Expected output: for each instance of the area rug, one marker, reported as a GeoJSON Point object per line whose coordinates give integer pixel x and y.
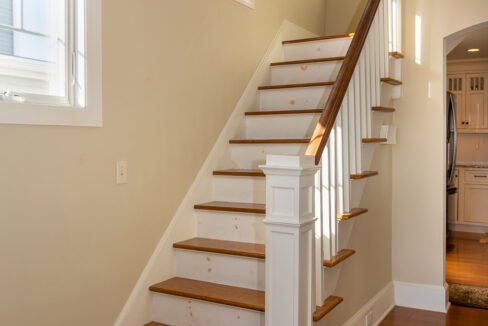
{"type": "Point", "coordinates": [470, 296]}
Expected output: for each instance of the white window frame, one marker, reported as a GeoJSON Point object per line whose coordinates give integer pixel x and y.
{"type": "Point", "coordinates": [247, 3]}
{"type": "Point", "coordinates": [69, 115]}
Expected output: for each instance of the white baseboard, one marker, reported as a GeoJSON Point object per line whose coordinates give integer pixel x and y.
{"type": "Point", "coordinates": [379, 306]}
{"type": "Point", "coordinates": [137, 309]}
{"type": "Point", "coordinates": [422, 296]}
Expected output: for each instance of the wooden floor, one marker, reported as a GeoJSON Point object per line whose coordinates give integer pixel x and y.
{"type": "Point", "coordinates": [467, 262]}
{"type": "Point", "coordinates": [457, 316]}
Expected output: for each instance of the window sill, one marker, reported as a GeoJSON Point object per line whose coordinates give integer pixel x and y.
{"type": "Point", "coordinates": [31, 114]}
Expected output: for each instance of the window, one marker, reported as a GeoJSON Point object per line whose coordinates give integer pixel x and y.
{"type": "Point", "coordinates": [50, 62]}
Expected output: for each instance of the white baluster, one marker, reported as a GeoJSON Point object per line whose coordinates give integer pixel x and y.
{"type": "Point", "coordinates": [386, 28]}
{"type": "Point", "coordinates": [358, 105]}
{"type": "Point", "coordinates": [353, 130]}
{"type": "Point", "coordinates": [363, 92]}
{"type": "Point", "coordinates": [382, 33]}
{"type": "Point", "coordinates": [345, 153]}
{"type": "Point", "coordinates": [333, 189]}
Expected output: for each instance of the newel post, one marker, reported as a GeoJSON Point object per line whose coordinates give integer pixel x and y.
{"type": "Point", "coordinates": [290, 243]}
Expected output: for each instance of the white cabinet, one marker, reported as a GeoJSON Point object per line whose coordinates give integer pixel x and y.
{"type": "Point", "coordinates": [473, 197]}
{"type": "Point", "coordinates": [471, 100]}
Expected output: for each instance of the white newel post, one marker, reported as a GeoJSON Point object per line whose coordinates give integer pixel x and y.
{"type": "Point", "coordinates": [290, 243]}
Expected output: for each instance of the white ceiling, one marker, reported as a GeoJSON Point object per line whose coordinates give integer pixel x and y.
{"type": "Point", "coordinates": [476, 39]}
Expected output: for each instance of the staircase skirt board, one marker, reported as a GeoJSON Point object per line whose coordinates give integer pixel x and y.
{"type": "Point", "coordinates": [223, 247]}
{"type": "Point", "coordinates": [329, 304]}
{"type": "Point", "coordinates": [217, 293]}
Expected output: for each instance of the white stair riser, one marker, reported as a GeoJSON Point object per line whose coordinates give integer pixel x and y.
{"type": "Point", "coordinates": [395, 68]}
{"type": "Point", "coordinates": [317, 49]}
{"type": "Point", "coordinates": [222, 269]}
{"type": "Point", "coordinates": [231, 226]}
{"type": "Point", "coordinates": [178, 311]}
{"type": "Point", "coordinates": [251, 156]}
{"type": "Point", "coordinates": [292, 98]}
{"type": "Point", "coordinates": [281, 126]}
{"type": "Point", "coordinates": [305, 73]}
{"type": "Point", "coordinates": [240, 189]}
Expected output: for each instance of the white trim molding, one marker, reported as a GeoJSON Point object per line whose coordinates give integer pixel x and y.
{"type": "Point", "coordinates": [91, 114]}
{"type": "Point", "coordinates": [422, 296]}
{"type": "Point", "coordinates": [247, 3]}
{"type": "Point", "coordinates": [378, 306]}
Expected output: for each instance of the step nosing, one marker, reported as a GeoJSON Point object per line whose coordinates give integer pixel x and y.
{"type": "Point", "coordinates": [319, 38]}
{"type": "Point", "coordinates": [284, 112]}
{"type": "Point", "coordinates": [269, 141]}
{"type": "Point", "coordinates": [308, 61]}
{"type": "Point", "coordinates": [232, 248]}
{"type": "Point", "coordinates": [291, 86]}
{"type": "Point", "coordinates": [252, 208]}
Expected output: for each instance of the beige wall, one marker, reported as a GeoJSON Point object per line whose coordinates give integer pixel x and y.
{"type": "Point", "coordinates": [72, 243]}
{"type": "Point", "coordinates": [343, 16]}
{"type": "Point", "coordinates": [418, 158]}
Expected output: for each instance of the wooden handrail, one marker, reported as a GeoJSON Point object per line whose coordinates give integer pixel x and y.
{"type": "Point", "coordinates": [339, 90]}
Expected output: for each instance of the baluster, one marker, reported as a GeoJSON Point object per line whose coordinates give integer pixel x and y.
{"type": "Point", "coordinates": [345, 154]}
{"type": "Point", "coordinates": [363, 92]}
{"type": "Point", "coordinates": [386, 29]}
{"type": "Point", "coordinates": [333, 189]}
{"type": "Point", "coordinates": [367, 84]}
{"type": "Point", "coordinates": [371, 81]}
{"type": "Point", "coordinates": [382, 33]}
{"type": "Point", "coordinates": [358, 105]}
{"type": "Point", "coordinates": [378, 56]}
{"type": "Point", "coordinates": [353, 130]}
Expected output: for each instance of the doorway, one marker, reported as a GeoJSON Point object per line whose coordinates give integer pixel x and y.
{"type": "Point", "coordinates": [467, 166]}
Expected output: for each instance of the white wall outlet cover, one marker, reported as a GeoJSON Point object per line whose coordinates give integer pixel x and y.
{"type": "Point", "coordinates": [389, 132]}
{"type": "Point", "coordinates": [121, 172]}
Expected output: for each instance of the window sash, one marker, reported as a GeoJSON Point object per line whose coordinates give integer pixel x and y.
{"type": "Point", "coordinates": [71, 97]}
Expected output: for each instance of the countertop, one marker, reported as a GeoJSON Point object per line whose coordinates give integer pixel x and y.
{"type": "Point", "coordinates": [472, 165]}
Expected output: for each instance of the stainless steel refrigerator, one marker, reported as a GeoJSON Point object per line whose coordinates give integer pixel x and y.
{"type": "Point", "coordinates": [452, 140]}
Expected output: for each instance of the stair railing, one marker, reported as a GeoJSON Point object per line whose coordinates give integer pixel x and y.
{"type": "Point", "coordinates": [345, 122]}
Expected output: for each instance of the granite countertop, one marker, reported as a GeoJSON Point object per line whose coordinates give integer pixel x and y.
{"type": "Point", "coordinates": [473, 165]}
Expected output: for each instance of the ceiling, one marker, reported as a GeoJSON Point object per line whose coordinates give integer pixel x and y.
{"type": "Point", "coordinates": [476, 39]}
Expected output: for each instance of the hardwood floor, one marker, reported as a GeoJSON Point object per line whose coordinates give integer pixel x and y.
{"type": "Point", "coordinates": [467, 262]}
{"type": "Point", "coordinates": [457, 316]}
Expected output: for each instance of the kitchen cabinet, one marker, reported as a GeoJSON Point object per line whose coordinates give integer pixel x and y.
{"type": "Point", "coordinates": [473, 197]}
{"type": "Point", "coordinates": [470, 90]}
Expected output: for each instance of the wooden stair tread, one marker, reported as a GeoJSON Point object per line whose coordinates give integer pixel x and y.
{"type": "Point", "coordinates": [364, 175]}
{"type": "Point", "coordinates": [285, 86]}
{"type": "Point", "coordinates": [243, 249]}
{"type": "Point", "coordinates": [153, 323]}
{"type": "Point", "coordinates": [320, 38]}
{"type": "Point", "coordinates": [299, 62]}
{"type": "Point", "coordinates": [339, 258]}
{"type": "Point", "coordinates": [329, 304]}
{"type": "Point", "coordinates": [212, 292]}
{"type": "Point", "coordinates": [374, 140]}
{"type": "Point", "coordinates": [355, 212]}
{"type": "Point", "coordinates": [252, 113]}
{"type": "Point", "coordinates": [397, 55]}
{"type": "Point", "coordinates": [232, 207]}
{"type": "Point", "coordinates": [382, 109]}
{"type": "Point", "coordinates": [391, 81]}
{"type": "Point", "coordinates": [270, 141]}
{"type": "Point", "coordinates": [240, 172]}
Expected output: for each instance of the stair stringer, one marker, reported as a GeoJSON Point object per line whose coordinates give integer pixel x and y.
{"type": "Point", "coordinates": [138, 307]}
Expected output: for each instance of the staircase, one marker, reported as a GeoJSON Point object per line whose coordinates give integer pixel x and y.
{"type": "Point", "coordinates": [220, 274]}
